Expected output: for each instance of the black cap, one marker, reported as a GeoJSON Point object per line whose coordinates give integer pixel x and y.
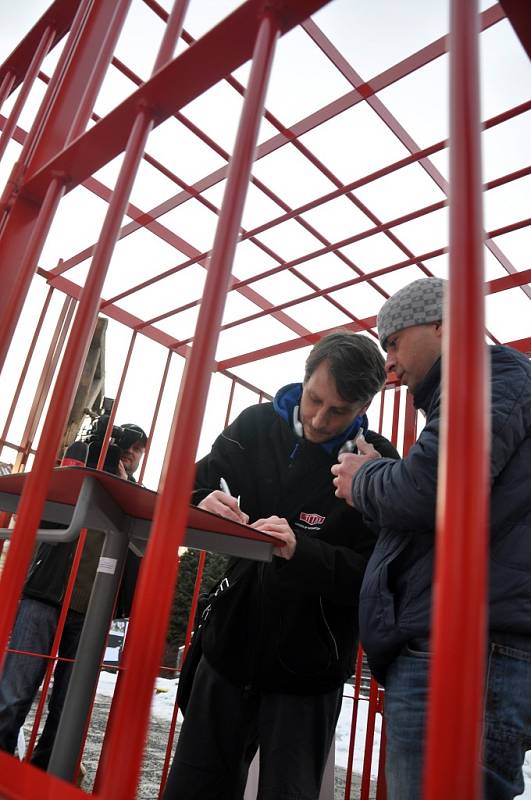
{"type": "Point", "coordinates": [139, 435]}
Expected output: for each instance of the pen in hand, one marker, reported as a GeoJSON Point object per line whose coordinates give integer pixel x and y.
{"type": "Point", "coordinates": [224, 486]}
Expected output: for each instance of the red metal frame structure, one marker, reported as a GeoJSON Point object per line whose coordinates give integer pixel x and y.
{"type": "Point", "coordinates": [327, 287]}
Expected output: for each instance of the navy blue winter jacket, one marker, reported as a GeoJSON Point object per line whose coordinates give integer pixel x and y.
{"type": "Point", "coordinates": [399, 498]}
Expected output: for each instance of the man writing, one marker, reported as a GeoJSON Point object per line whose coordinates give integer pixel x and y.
{"type": "Point", "coordinates": [400, 499]}
{"type": "Point", "coordinates": [38, 614]}
{"type": "Point", "coordinates": [280, 638]}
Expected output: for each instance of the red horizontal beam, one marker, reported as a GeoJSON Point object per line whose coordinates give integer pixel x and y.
{"type": "Point", "coordinates": [491, 287]}
{"type": "Point", "coordinates": [524, 345]}
{"type": "Point", "coordinates": [519, 16]}
{"type": "Point", "coordinates": [512, 281]}
{"type": "Point", "coordinates": [20, 780]}
{"type": "Point", "coordinates": [135, 323]}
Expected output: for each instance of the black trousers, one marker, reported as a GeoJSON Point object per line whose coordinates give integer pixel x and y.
{"type": "Point", "coordinates": [223, 728]}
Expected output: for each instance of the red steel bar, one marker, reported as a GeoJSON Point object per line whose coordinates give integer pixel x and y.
{"type": "Point", "coordinates": [8, 81]}
{"type": "Point", "coordinates": [410, 424]}
{"type": "Point", "coordinates": [123, 746]}
{"type": "Point", "coordinates": [167, 90]}
{"type": "Point", "coordinates": [396, 415]}
{"type": "Point", "coordinates": [229, 404]}
{"type": "Point", "coordinates": [381, 786]}
{"type": "Point", "coordinates": [353, 722]}
{"type": "Point", "coordinates": [393, 124]}
{"type": "Point", "coordinates": [25, 366]}
{"type": "Point", "coordinates": [187, 640]}
{"type": "Point", "coordinates": [452, 765]}
{"type": "Point", "coordinates": [38, 57]}
{"type": "Point", "coordinates": [56, 641]}
{"type": "Point", "coordinates": [46, 378]}
{"type": "Point", "coordinates": [155, 415]}
{"type": "Point", "coordinates": [33, 496]}
{"type": "Point", "coordinates": [62, 116]}
{"type": "Point", "coordinates": [59, 15]}
{"type": "Point", "coordinates": [112, 416]}
{"type": "Point", "coordinates": [369, 741]}
{"type": "Point", "coordinates": [38, 128]}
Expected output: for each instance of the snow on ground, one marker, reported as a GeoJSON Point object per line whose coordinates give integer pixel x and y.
{"type": "Point", "coordinates": [164, 700]}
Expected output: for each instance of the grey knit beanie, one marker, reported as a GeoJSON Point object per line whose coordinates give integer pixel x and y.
{"type": "Point", "coordinates": [418, 303]}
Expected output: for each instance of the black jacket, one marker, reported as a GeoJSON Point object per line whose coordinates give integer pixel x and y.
{"type": "Point", "coordinates": [400, 498]}
{"type": "Point", "coordinates": [50, 569]}
{"type": "Point", "coordinates": [286, 626]}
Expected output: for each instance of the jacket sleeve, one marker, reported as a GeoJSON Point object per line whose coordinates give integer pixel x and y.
{"type": "Point", "coordinates": [226, 460]}
{"type": "Point", "coordinates": [402, 494]}
{"type": "Point", "coordinates": [510, 409]}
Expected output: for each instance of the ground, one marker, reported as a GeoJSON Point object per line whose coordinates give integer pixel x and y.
{"type": "Point", "coordinates": [154, 755]}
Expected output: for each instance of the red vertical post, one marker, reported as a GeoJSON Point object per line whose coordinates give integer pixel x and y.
{"type": "Point", "coordinates": [34, 494]}
{"type": "Point", "coordinates": [25, 367]}
{"type": "Point", "coordinates": [155, 416]}
{"type": "Point", "coordinates": [383, 395]}
{"type": "Point", "coordinates": [45, 381]}
{"type": "Point", "coordinates": [410, 424]}
{"type": "Point", "coordinates": [353, 722]}
{"type": "Point", "coordinates": [63, 116]}
{"type": "Point", "coordinates": [33, 70]}
{"type": "Point", "coordinates": [396, 415]}
{"type": "Point", "coordinates": [452, 767]}
{"type": "Point", "coordinates": [369, 741]}
{"type": "Point", "coordinates": [187, 640]}
{"type": "Point", "coordinates": [56, 641]}
{"type": "Point", "coordinates": [6, 86]}
{"type": "Point", "coordinates": [229, 404]}
{"type": "Point", "coordinates": [112, 416]}
{"type": "Point", "coordinates": [123, 746]}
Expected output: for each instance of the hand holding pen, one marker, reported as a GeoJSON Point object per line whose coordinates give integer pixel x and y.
{"type": "Point", "coordinates": [221, 502]}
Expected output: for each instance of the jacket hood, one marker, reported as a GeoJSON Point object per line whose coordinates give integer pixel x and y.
{"type": "Point", "coordinates": [288, 397]}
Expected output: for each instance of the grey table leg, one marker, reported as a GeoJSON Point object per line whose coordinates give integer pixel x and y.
{"type": "Point", "coordinates": [85, 673]}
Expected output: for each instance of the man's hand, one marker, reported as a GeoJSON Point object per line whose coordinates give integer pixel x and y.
{"type": "Point", "coordinates": [224, 505]}
{"type": "Point", "coordinates": [279, 528]}
{"type": "Point", "coordinates": [348, 465]}
{"type": "Point", "coordinates": [121, 471]}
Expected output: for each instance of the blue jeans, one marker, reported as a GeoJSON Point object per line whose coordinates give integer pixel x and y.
{"type": "Point", "coordinates": [507, 720]}
{"type": "Point", "coordinates": [34, 631]}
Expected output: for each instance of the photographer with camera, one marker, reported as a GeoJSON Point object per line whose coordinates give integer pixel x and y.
{"type": "Point", "coordinates": [43, 594]}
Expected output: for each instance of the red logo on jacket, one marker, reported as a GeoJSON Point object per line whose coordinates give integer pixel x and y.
{"type": "Point", "coordinates": [312, 519]}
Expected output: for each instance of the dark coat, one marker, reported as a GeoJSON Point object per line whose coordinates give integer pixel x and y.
{"type": "Point", "coordinates": [286, 626]}
{"type": "Point", "coordinates": [50, 569]}
{"type": "Point", "coordinates": [400, 499]}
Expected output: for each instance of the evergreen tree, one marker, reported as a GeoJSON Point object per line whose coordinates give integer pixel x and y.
{"type": "Point", "coordinates": [215, 567]}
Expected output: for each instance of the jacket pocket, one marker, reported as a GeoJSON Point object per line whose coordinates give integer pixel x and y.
{"type": "Point", "coordinates": [306, 645]}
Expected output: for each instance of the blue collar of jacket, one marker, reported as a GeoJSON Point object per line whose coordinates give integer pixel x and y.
{"type": "Point", "coordinates": [289, 396]}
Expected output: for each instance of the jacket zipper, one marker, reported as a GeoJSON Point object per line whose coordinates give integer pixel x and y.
{"type": "Point", "coordinates": [328, 628]}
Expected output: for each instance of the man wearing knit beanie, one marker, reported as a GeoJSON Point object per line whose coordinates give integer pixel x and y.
{"type": "Point", "coordinates": [399, 497]}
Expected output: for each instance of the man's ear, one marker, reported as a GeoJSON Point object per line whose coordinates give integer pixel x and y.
{"type": "Point", "coordinates": [438, 329]}
{"type": "Point", "coordinates": [364, 409]}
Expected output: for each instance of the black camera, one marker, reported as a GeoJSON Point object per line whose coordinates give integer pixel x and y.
{"type": "Point", "coordinates": [122, 437]}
